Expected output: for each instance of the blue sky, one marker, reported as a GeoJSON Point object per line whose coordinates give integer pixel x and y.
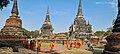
{"type": "Point", "coordinates": [100, 13]}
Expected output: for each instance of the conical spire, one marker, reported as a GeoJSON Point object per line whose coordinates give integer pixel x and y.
{"type": "Point", "coordinates": [116, 27]}
{"type": "Point", "coordinates": [47, 16]}
{"type": "Point", "coordinates": [88, 22]}
{"type": "Point", "coordinates": [15, 8]}
{"type": "Point", "coordinates": [80, 9]}
{"type": "Point", "coordinates": [118, 6]}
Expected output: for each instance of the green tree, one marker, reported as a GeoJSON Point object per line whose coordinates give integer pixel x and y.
{"type": "Point", "coordinates": [26, 32]}
{"type": "Point", "coordinates": [4, 3]}
{"type": "Point", "coordinates": [109, 31]}
{"type": "Point", "coordinates": [0, 31]}
{"type": "Point", "coordinates": [34, 33]}
{"type": "Point", "coordinates": [99, 33]}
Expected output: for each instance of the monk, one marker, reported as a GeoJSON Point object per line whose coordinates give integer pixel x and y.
{"type": "Point", "coordinates": [38, 46]}
{"type": "Point", "coordinates": [25, 45]}
{"type": "Point", "coordinates": [51, 45]}
{"type": "Point", "coordinates": [79, 44]}
{"type": "Point", "coordinates": [75, 44]}
{"type": "Point", "coordinates": [31, 45]}
{"type": "Point", "coordinates": [68, 44]}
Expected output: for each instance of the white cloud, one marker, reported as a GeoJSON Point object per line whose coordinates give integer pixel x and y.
{"type": "Point", "coordinates": [112, 3]}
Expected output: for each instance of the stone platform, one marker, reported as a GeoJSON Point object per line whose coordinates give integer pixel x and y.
{"type": "Point", "coordinates": [113, 44]}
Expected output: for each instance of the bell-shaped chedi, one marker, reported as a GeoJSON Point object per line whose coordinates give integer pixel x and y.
{"type": "Point", "coordinates": [46, 30]}
{"type": "Point", "coordinates": [13, 25]}
{"type": "Point", "coordinates": [80, 28]}
{"type": "Point", "coordinates": [113, 41]}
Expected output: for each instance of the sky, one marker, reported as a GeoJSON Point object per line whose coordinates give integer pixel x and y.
{"type": "Point", "coordinates": [100, 13]}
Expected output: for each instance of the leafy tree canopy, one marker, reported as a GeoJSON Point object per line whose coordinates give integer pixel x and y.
{"type": "Point", "coordinates": [27, 33]}
{"type": "Point", "coordinates": [4, 3]}
{"type": "Point", "coordinates": [99, 33]}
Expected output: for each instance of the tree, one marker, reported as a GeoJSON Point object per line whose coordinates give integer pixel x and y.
{"type": "Point", "coordinates": [108, 33]}
{"type": "Point", "coordinates": [26, 32]}
{"type": "Point", "coordinates": [4, 3]}
{"type": "Point", "coordinates": [99, 33]}
{"type": "Point", "coordinates": [34, 33]}
{"type": "Point", "coordinates": [0, 31]}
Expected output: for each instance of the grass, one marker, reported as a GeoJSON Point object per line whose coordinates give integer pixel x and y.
{"type": "Point", "coordinates": [47, 45]}
{"type": "Point", "coordinates": [99, 47]}
{"type": "Point", "coordinates": [76, 51]}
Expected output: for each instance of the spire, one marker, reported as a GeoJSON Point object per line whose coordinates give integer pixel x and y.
{"type": "Point", "coordinates": [116, 27]}
{"type": "Point", "coordinates": [47, 16]}
{"type": "Point", "coordinates": [47, 13]}
{"type": "Point", "coordinates": [15, 8]}
{"type": "Point", "coordinates": [88, 22]}
{"type": "Point", "coordinates": [80, 9]}
{"type": "Point", "coordinates": [119, 6]}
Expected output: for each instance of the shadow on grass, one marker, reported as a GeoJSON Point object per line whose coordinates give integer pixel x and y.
{"type": "Point", "coordinates": [50, 52]}
{"type": "Point", "coordinates": [96, 51]}
{"type": "Point", "coordinates": [100, 47]}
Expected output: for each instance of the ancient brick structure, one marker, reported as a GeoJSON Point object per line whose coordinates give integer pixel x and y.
{"type": "Point", "coordinates": [80, 27]}
{"type": "Point", "coordinates": [13, 25]}
{"type": "Point", "coordinates": [12, 35]}
{"type": "Point", "coordinates": [46, 30]}
{"type": "Point", "coordinates": [113, 41]}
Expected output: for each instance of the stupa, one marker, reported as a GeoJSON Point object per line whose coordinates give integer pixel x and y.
{"type": "Point", "coordinates": [113, 41]}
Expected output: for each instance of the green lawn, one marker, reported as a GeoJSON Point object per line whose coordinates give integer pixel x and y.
{"type": "Point", "coordinates": [98, 49]}
{"type": "Point", "coordinates": [47, 45]}
{"type": "Point", "coordinates": [76, 51]}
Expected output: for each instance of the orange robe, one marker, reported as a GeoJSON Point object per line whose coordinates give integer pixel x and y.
{"type": "Point", "coordinates": [75, 44]}
{"type": "Point", "coordinates": [32, 45]}
{"type": "Point", "coordinates": [25, 44]}
{"type": "Point", "coordinates": [68, 44]}
{"type": "Point", "coordinates": [38, 46]}
{"type": "Point", "coordinates": [51, 46]}
{"type": "Point", "coordinates": [78, 45]}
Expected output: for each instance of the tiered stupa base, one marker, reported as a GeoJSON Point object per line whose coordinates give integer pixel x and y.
{"type": "Point", "coordinates": [113, 45]}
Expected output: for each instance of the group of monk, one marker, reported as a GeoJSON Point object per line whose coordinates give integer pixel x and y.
{"type": "Point", "coordinates": [77, 44]}
{"type": "Point", "coordinates": [36, 45]}
{"type": "Point", "coordinates": [32, 45]}
{"type": "Point", "coordinates": [69, 44]}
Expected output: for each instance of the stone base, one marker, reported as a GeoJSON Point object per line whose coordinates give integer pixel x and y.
{"type": "Point", "coordinates": [108, 52]}
{"type": "Point", "coordinates": [113, 44]}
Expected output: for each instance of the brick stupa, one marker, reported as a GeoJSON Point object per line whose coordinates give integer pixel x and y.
{"type": "Point", "coordinates": [13, 25]}
{"type": "Point", "coordinates": [113, 41]}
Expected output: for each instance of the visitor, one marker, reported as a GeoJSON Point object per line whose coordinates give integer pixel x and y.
{"type": "Point", "coordinates": [63, 42]}
{"type": "Point", "coordinates": [51, 45]}
{"type": "Point", "coordinates": [38, 46]}
{"type": "Point", "coordinates": [91, 46]}
{"type": "Point", "coordinates": [88, 44]}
